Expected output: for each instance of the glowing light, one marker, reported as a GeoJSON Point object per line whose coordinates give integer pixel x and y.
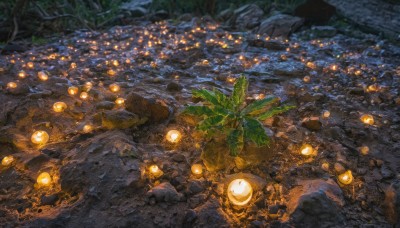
{"type": "Point", "coordinates": [40, 137]}
{"type": "Point", "coordinates": [364, 150]}
{"type": "Point", "coordinates": [307, 79]}
{"type": "Point", "coordinates": [111, 72]}
{"type": "Point", "coordinates": [73, 90]}
{"type": "Point", "coordinates": [22, 74]}
{"type": "Point", "coordinates": [346, 177]}
{"type": "Point", "coordinates": [367, 119]}
{"type": "Point", "coordinates": [7, 160]}
{"type": "Point", "coordinates": [240, 192]}
{"type": "Point", "coordinates": [44, 179]}
{"type": "Point", "coordinates": [84, 95]}
{"type": "Point", "coordinates": [42, 75]}
{"type": "Point", "coordinates": [173, 136]}
{"type": "Point", "coordinates": [114, 87]}
{"type": "Point", "coordinates": [59, 106]}
{"type": "Point", "coordinates": [87, 128]}
{"type": "Point", "coordinates": [326, 114]}
{"type": "Point", "coordinates": [197, 169]}
{"type": "Point", "coordinates": [155, 171]}
{"type": "Point", "coordinates": [30, 65]}
{"type": "Point", "coordinates": [120, 101]}
{"type": "Point", "coordinates": [11, 85]}
{"type": "Point", "coordinates": [307, 150]}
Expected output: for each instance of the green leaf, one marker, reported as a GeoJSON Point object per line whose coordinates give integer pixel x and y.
{"type": "Point", "coordinates": [222, 99]}
{"type": "Point", "coordinates": [198, 111]}
{"type": "Point", "coordinates": [211, 122]}
{"type": "Point", "coordinates": [235, 141]}
{"type": "Point", "coordinates": [274, 111]}
{"type": "Point", "coordinates": [254, 131]}
{"type": "Point", "coordinates": [257, 107]}
{"type": "Point", "coordinates": [206, 95]}
{"type": "Point", "coordinates": [239, 91]}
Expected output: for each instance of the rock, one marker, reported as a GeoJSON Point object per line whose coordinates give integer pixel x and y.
{"type": "Point", "coordinates": [339, 168]}
{"type": "Point", "coordinates": [312, 123]}
{"type": "Point", "coordinates": [164, 192]}
{"type": "Point", "coordinates": [195, 186]}
{"type": "Point", "coordinates": [315, 203]}
{"type": "Point", "coordinates": [280, 25]}
{"type": "Point", "coordinates": [133, 4]}
{"type": "Point", "coordinates": [49, 200]}
{"type": "Point", "coordinates": [174, 87]}
{"type": "Point", "coordinates": [105, 105]}
{"type": "Point", "coordinates": [323, 31]}
{"type": "Point", "coordinates": [120, 119]}
{"type": "Point", "coordinates": [189, 218]}
{"type": "Point", "coordinates": [315, 11]}
{"type": "Point", "coordinates": [211, 214]}
{"type": "Point", "coordinates": [178, 157]}
{"type": "Point", "coordinates": [155, 109]}
{"type": "Point", "coordinates": [371, 15]}
{"type": "Point", "coordinates": [225, 14]}
{"type": "Point", "coordinates": [248, 16]}
{"type": "Point", "coordinates": [290, 69]}
{"type": "Point", "coordinates": [391, 204]}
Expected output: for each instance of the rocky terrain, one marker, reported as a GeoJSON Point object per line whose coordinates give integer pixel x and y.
{"type": "Point", "coordinates": [99, 151]}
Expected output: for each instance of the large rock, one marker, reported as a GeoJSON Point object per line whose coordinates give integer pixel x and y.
{"type": "Point", "coordinates": [137, 8]}
{"type": "Point", "coordinates": [371, 15]}
{"type": "Point", "coordinates": [248, 16]}
{"type": "Point", "coordinates": [120, 119]}
{"type": "Point", "coordinates": [392, 203]}
{"type": "Point", "coordinates": [315, 203]}
{"type": "Point", "coordinates": [280, 25]}
{"type": "Point", "coordinates": [155, 109]}
{"type": "Point", "coordinates": [245, 17]}
{"type": "Point", "coordinates": [315, 11]}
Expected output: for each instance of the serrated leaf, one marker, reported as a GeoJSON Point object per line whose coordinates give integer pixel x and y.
{"type": "Point", "coordinates": [211, 122]}
{"type": "Point", "coordinates": [198, 110]}
{"type": "Point", "coordinates": [239, 91]}
{"type": "Point", "coordinates": [254, 131]}
{"type": "Point", "coordinates": [257, 107]}
{"type": "Point", "coordinates": [235, 141]}
{"type": "Point", "coordinates": [274, 111]}
{"type": "Point", "coordinates": [206, 95]}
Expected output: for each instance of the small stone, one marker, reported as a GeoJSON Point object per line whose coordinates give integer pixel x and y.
{"type": "Point", "coordinates": [154, 108]}
{"type": "Point", "coordinates": [195, 187]}
{"type": "Point", "coordinates": [178, 157]}
{"type": "Point", "coordinates": [120, 119]}
{"type": "Point", "coordinates": [312, 123]}
{"type": "Point", "coordinates": [339, 168]}
{"type": "Point", "coordinates": [164, 192]}
{"type": "Point", "coordinates": [49, 200]}
{"type": "Point", "coordinates": [174, 87]}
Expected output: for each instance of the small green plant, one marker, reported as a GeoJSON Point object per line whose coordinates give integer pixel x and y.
{"type": "Point", "coordinates": [230, 116]}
